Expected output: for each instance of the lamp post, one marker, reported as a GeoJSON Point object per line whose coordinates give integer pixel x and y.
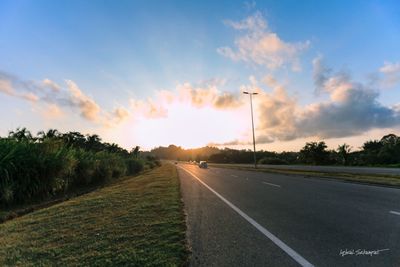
{"type": "Point", "coordinates": [252, 125]}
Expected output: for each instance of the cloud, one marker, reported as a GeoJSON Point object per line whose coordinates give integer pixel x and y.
{"type": "Point", "coordinates": [249, 5]}
{"type": "Point", "coordinates": [270, 81]}
{"type": "Point", "coordinates": [276, 115]}
{"type": "Point", "coordinates": [8, 84]}
{"type": "Point", "coordinates": [29, 96]}
{"type": "Point", "coordinates": [70, 96]}
{"type": "Point", "coordinates": [6, 87]}
{"type": "Point", "coordinates": [352, 109]}
{"type": "Point", "coordinates": [320, 73]}
{"type": "Point", "coordinates": [257, 44]}
{"type": "Point", "coordinates": [50, 84]}
{"type": "Point", "coordinates": [52, 94]}
{"type": "Point", "coordinates": [121, 113]}
{"type": "Point", "coordinates": [52, 111]}
{"type": "Point", "coordinates": [148, 109]}
{"type": "Point", "coordinates": [235, 142]}
{"type": "Point", "coordinates": [87, 106]}
{"type": "Point", "coordinates": [391, 74]}
{"type": "Point", "coordinates": [208, 95]}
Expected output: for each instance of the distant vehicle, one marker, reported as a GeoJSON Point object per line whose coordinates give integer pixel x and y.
{"type": "Point", "coordinates": [203, 164]}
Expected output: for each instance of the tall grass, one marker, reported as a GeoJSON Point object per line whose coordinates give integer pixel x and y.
{"type": "Point", "coordinates": [31, 170]}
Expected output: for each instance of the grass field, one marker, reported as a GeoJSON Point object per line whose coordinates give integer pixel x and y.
{"type": "Point", "coordinates": [375, 179]}
{"type": "Point", "coordinates": [137, 221]}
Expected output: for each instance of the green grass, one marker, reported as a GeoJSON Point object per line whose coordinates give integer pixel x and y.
{"type": "Point", "coordinates": [375, 179]}
{"type": "Point", "coordinates": [137, 221]}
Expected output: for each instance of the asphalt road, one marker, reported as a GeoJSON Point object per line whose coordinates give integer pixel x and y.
{"type": "Point", "coordinates": [246, 218]}
{"type": "Point", "coordinates": [337, 169]}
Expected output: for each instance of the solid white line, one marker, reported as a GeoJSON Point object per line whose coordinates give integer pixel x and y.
{"type": "Point", "coordinates": [271, 184]}
{"type": "Point", "coordinates": [272, 237]}
{"type": "Point", "coordinates": [395, 212]}
{"type": "Point", "coordinates": [234, 176]}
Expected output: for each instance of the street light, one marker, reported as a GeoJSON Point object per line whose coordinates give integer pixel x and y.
{"type": "Point", "coordinates": [252, 125]}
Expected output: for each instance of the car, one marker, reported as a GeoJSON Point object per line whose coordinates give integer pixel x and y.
{"type": "Point", "coordinates": [203, 164]}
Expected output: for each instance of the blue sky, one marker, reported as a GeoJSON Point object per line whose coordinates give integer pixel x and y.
{"type": "Point", "coordinates": [118, 52]}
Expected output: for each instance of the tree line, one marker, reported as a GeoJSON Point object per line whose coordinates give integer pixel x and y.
{"type": "Point", "coordinates": [35, 168]}
{"type": "Point", "coordinates": [383, 152]}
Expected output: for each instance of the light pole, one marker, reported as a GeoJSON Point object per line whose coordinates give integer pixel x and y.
{"type": "Point", "coordinates": [252, 125]}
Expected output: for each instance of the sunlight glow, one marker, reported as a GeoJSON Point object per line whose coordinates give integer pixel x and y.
{"type": "Point", "coordinates": [185, 125]}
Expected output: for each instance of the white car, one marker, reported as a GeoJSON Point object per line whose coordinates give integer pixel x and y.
{"type": "Point", "coordinates": [203, 164]}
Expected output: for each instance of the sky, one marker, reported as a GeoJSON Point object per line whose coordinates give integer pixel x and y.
{"type": "Point", "coordinates": [154, 73]}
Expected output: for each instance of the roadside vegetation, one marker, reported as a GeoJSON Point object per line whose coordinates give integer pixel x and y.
{"type": "Point", "coordinates": [384, 152]}
{"type": "Point", "coordinates": [134, 221]}
{"type": "Point", "coordinates": [34, 169]}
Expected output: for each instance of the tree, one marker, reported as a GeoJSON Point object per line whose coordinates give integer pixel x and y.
{"type": "Point", "coordinates": [389, 153]}
{"type": "Point", "coordinates": [370, 152]}
{"type": "Point", "coordinates": [135, 151]}
{"type": "Point", "coordinates": [315, 153]}
{"type": "Point", "coordinates": [74, 139]}
{"type": "Point", "coordinates": [21, 134]}
{"type": "Point", "coordinates": [344, 152]}
{"type": "Point", "coordinates": [51, 133]}
{"type": "Point", "coordinates": [93, 143]}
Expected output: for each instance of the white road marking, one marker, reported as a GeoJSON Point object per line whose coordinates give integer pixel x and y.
{"type": "Point", "coordinates": [297, 257]}
{"type": "Point", "coordinates": [271, 184]}
{"type": "Point", "coordinates": [234, 176]}
{"type": "Point", "coordinates": [395, 212]}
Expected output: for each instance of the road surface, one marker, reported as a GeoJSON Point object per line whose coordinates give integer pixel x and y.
{"type": "Point", "coordinates": [334, 169]}
{"type": "Point", "coordinates": [246, 218]}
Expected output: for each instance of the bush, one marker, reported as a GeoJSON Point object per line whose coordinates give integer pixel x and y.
{"type": "Point", "coordinates": [134, 165]}
{"type": "Point", "coordinates": [275, 161]}
{"type": "Point", "coordinates": [38, 168]}
{"type": "Point", "coordinates": [85, 169]}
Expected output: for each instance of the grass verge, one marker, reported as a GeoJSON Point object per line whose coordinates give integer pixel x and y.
{"type": "Point", "coordinates": [138, 221]}
{"type": "Point", "coordinates": [383, 180]}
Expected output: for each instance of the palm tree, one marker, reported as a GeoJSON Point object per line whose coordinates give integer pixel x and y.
{"type": "Point", "coordinates": [21, 134]}
{"type": "Point", "coordinates": [75, 139]}
{"type": "Point", "coordinates": [93, 142]}
{"type": "Point", "coordinates": [135, 151]}
{"type": "Point", "coordinates": [51, 133]}
{"type": "Point", "coordinates": [344, 152]}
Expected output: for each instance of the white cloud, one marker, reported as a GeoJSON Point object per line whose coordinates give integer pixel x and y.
{"type": "Point", "coordinates": [257, 44]}
{"type": "Point", "coordinates": [391, 74]}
